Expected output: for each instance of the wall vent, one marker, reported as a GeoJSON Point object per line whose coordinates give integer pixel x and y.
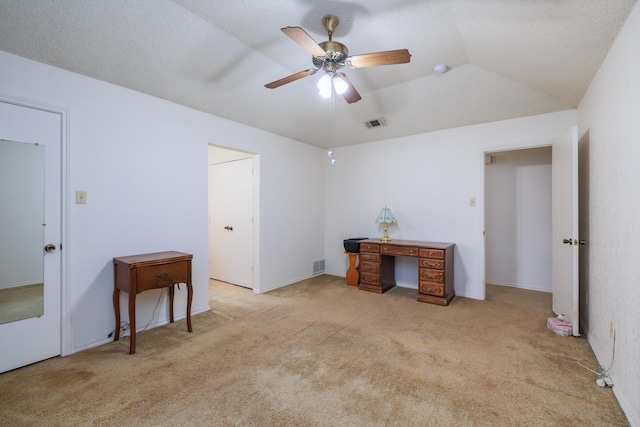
{"type": "Point", "coordinates": [318, 267]}
{"type": "Point", "coordinates": [380, 121]}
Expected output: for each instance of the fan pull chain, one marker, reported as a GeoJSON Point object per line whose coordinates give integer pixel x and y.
{"type": "Point", "coordinates": [331, 153]}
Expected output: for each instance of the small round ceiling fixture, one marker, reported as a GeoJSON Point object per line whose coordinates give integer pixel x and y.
{"type": "Point", "coordinates": [440, 68]}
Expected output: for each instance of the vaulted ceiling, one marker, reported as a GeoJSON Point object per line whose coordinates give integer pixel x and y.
{"type": "Point", "coordinates": [506, 59]}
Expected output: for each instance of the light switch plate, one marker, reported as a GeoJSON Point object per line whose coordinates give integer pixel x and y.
{"type": "Point", "coordinates": [81, 197]}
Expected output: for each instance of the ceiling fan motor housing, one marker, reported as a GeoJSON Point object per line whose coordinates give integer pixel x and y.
{"type": "Point", "coordinates": [336, 54]}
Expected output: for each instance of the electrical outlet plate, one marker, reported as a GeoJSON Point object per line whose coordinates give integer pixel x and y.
{"type": "Point", "coordinates": [612, 331]}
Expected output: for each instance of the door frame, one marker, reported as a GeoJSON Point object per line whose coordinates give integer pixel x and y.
{"type": "Point", "coordinates": [65, 315]}
{"type": "Point", "coordinates": [235, 154]}
{"type": "Point", "coordinates": [487, 152]}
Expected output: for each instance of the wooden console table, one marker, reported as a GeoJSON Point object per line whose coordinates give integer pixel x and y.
{"type": "Point", "coordinates": [137, 273]}
{"type": "Point", "coordinates": [435, 267]}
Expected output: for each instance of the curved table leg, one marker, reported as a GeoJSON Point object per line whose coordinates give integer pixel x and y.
{"type": "Point", "coordinates": [189, 299]}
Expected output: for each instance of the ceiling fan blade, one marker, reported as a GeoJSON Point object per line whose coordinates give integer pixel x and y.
{"type": "Point", "coordinates": [351, 95]}
{"type": "Point", "coordinates": [303, 39]}
{"type": "Point", "coordinates": [291, 78]}
{"type": "Point", "coordinates": [400, 56]}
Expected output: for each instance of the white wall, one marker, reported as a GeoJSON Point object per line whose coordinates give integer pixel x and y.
{"type": "Point", "coordinates": [427, 181]}
{"type": "Point", "coordinates": [609, 126]}
{"type": "Point", "coordinates": [518, 219]}
{"type": "Point", "coordinates": [143, 163]}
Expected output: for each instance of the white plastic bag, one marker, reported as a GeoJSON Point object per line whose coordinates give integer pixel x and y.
{"type": "Point", "coordinates": [559, 327]}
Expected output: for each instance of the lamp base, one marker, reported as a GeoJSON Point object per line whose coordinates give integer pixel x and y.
{"type": "Point", "coordinates": [385, 237]}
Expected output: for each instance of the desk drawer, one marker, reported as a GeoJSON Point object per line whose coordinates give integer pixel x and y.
{"type": "Point", "coordinates": [160, 276]}
{"type": "Point", "coordinates": [399, 250]}
{"type": "Point", "coordinates": [436, 276]}
{"type": "Point", "coordinates": [369, 247]}
{"type": "Point", "coordinates": [370, 278]}
{"type": "Point", "coordinates": [368, 256]}
{"type": "Point", "coordinates": [369, 267]}
{"type": "Point", "coordinates": [430, 288]}
{"type": "Point", "coordinates": [431, 263]}
{"type": "Point", "coordinates": [432, 253]}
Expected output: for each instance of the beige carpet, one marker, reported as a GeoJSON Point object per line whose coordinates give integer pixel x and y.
{"type": "Point", "coordinates": [320, 353]}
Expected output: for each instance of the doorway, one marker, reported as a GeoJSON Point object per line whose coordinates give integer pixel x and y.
{"type": "Point", "coordinates": [518, 220]}
{"type": "Point", "coordinates": [233, 202]}
{"type": "Point", "coordinates": [563, 249]}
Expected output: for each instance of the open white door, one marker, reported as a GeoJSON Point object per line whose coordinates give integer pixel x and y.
{"type": "Point", "coordinates": [231, 222]}
{"type": "Point", "coordinates": [30, 258]}
{"type": "Point", "coordinates": [564, 233]}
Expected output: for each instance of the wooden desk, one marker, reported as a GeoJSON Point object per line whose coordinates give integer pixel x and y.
{"type": "Point", "coordinates": [137, 273]}
{"type": "Point", "coordinates": [435, 267]}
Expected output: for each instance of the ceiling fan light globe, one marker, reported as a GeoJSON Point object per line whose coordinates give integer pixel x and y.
{"type": "Point", "coordinates": [340, 85]}
{"type": "Point", "coordinates": [325, 93]}
{"type": "Point", "coordinates": [324, 84]}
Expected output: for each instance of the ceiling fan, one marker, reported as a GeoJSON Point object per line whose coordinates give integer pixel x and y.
{"type": "Point", "coordinates": [331, 56]}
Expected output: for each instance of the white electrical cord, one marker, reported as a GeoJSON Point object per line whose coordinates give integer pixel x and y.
{"type": "Point", "coordinates": [587, 368]}
{"type": "Point", "coordinates": [603, 376]}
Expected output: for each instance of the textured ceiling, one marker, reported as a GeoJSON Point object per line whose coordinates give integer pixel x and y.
{"type": "Point", "coordinates": [507, 59]}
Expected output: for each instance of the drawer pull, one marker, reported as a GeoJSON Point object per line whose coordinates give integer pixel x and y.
{"type": "Point", "coordinates": [163, 275]}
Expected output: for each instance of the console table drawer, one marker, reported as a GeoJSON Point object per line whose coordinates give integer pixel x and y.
{"type": "Point", "coordinates": [429, 288]}
{"type": "Point", "coordinates": [162, 276]}
{"type": "Point", "coordinates": [432, 275]}
{"type": "Point", "coordinates": [369, 247]}
{"type": "Point", "coordinates": [431, 263]}
{"type": "Point", "coordinates": [399, 250]}
{"type": "Point", "coordinates": [370, 278]}
{"type": "Point", "coordinates": [432, 253]}
{"type": "Point", "coordinates": [367, 256]}
{"type": "Point", "coordinates": [369, 267]}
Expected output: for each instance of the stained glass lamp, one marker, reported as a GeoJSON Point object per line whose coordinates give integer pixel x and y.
{"type": "Point", "coordinates": [385, 218]}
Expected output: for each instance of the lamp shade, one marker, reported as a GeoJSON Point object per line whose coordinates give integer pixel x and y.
{"type": "Point", "coordinates": [386, 217]}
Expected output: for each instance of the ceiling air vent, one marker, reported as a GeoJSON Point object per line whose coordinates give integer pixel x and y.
{"type": "Point", "coordinates": [380, 121]}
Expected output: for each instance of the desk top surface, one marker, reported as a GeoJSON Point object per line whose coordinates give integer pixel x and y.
{"type": "Point", "coordinates": [133, 261]}
{"type": "Point", "coordinates": [415, 243]}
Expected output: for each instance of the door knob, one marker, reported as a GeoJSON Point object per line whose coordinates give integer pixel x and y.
{"type": "Point", "coordinates": [567, 241]}
{"type": "Point", "coordinates": [226, 227]}
{"type": "Point", "coordinates": [50, 248]}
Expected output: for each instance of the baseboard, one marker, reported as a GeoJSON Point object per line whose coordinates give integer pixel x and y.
{"type": "Point", "coordinates": [17, 285]}
{"type": "Point", "coordinates": [510, 285]}
{"type": "Point", "coordinates": [470, 296]}
{"type": "Point", "coordinates": [634, 419]}
{"type": "Point", "coordinates": [282, 285]}
{"type": "Point", "coordinates": [407, 285]}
